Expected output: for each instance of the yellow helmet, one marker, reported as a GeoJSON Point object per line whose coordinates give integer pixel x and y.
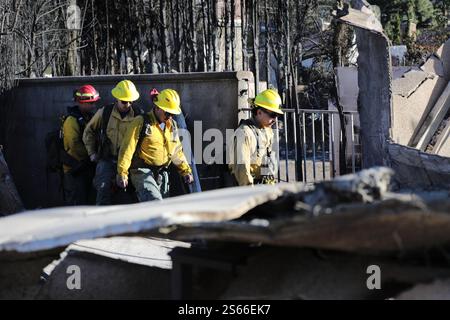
{"type": "Point", "coordinates": [269, 99]}
{"type": "Point", "coordinates": [125, 90]}
{"type": "Point", "coordinates": [169, 101]}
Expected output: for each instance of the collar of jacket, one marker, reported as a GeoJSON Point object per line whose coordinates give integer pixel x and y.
{"type": "Point", "coordinates": [75, 112]}
{"type": "Point", "coordinates": [154, 120]}
{"type": "Point", "coordinates": [116, 114]}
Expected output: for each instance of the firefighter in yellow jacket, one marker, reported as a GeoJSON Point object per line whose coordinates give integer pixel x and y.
{"type": "Point", "coordinates": [103, 136]}
{"type": "Point", "coordinates": [78, 171]}
{"type": "Point", "coordinates": [150, 144]}
{"type": "Point", "coordinates": [251, 160]}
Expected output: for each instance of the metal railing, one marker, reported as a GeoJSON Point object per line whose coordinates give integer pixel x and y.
{"type": "Point", "coordinates": [321, 145]}
{"type": "Point", "coordinates": [310, 145]}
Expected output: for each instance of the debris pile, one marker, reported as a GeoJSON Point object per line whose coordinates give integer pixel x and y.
{"type": "Point", "coordinates": [342, 218]}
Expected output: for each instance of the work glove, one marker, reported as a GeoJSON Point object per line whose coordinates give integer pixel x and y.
{"type": "Point", "coordinates": [188, 179]}
{"type": "Point", "coordinates": [269, 180]}
{"type": "Point", "coordinates": [93, 157]}
{"type": "Point", "coordinates": [122, 182]}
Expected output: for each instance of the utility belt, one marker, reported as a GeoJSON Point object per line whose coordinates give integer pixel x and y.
{"type": "Point", "coordinates": [264, 180]}
{"type": "Point", "coordinates": [137, 163]}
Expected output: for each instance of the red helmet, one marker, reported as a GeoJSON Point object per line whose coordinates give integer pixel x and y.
{"type": "Point", "coordinates": [154, 93]}
{"type": "Point", "coordinates": [86, 93]}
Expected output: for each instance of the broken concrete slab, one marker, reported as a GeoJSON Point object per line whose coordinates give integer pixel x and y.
{"type": "Point", "coordinates": [409, 82]}
{"type": "Point", "coordinates": [409, 113]}
{"type": "Point", "coordinates": [434, 65]}
{"type": "Point", "coordinates": [433, 120]}
{"type": "Point", "coordinates": [364, 19]}
{"type": "Point", "coordinates": [398, 72]}
{"type": "Point", "coordinates": [443, 53]}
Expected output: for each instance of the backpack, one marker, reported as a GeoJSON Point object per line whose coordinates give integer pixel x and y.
{"type": "Point", "coordinates": [103, 140]}
{"type": "Point", "coordinates": [56, 156]}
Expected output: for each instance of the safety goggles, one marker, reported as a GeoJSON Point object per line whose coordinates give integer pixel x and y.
{"type": "Point", "coordinates": [167, 115]}
{"type": "Point", "coordinates": [273, 115]}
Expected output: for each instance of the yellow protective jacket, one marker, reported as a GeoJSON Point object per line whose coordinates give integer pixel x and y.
{"type": "Point", "coordinates": [245, 159]}
{"type": "Point", "coordinates": [158, 147]}
{"type": "Point", "coordinates": [115, 130]}
{"type": "Point", "coordinates": [72, 139]}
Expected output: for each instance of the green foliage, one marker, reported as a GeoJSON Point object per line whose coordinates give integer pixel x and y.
{"type": "Point", "coordinates": [441, 11]}
{"type": "Point", "coordinates": [425, 12]}
{"type": "Point", "coordinates": [398, 13]}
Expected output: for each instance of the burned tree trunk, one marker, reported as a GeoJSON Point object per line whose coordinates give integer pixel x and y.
{"type": "Point", "coordinates": [193, 35]}
{"type": "Point", "coordinates": [164, 36]}
{"type": "Point", "coordinates": [244, 33]}
{"type": "Point", "coordinates": [227, 38]}
{"type": "Point", "coordinates": [266, 43]}
{"type": "Point", "coordinates": [214, 35]}
{"type": "Point", "coordinates": [205, 33]}
{"type": "Point", "coordinates": [232, 34]}
{"type": "Point", "coordinates": [255, 25]}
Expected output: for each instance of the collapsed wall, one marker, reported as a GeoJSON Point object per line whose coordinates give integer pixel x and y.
{"type": "Point", "coordinates": [421, 101]}
{"type": "Point", "coordinates": [396, 111]}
